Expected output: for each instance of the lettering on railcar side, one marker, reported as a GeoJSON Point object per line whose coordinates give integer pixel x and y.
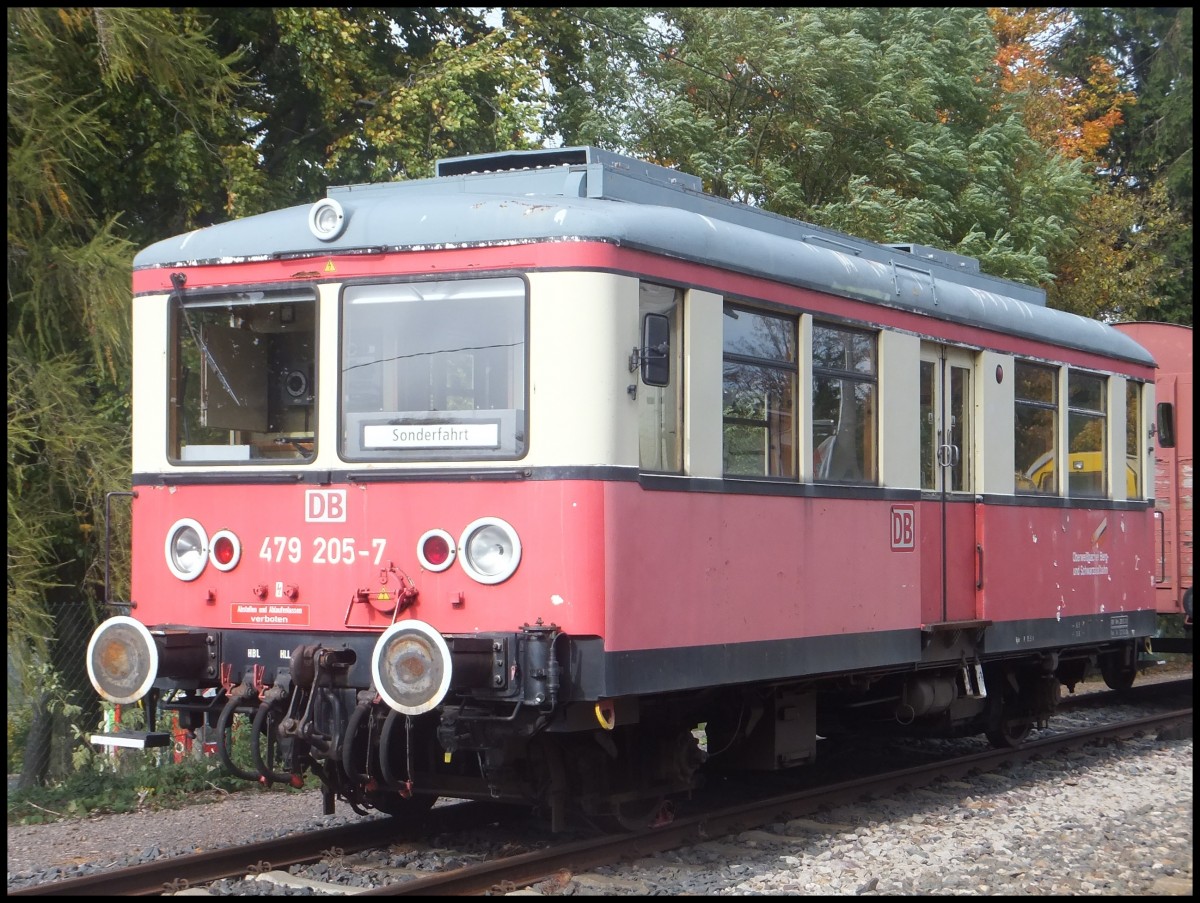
{"type": "Point", "coordinates": [904, 528]}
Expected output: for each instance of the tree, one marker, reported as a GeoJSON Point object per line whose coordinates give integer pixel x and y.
{"type": "Point", "coordinates": [591, 58]}
{"type": "Point", "coordinates": [1107, 270]}
{"type": "Point", "coordinates": [886, 123]}
{"type": "Point", "coordinates": [355, 94]}
{"type": "Point", "coordinates": [127, 125]}
{"type": "Point", "coordinates": [1150, 152]}
{"type": "Point", "coordinates": [71, 75]}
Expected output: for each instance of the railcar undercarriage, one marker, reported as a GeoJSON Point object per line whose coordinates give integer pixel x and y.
{"type": "Point", "coordinates": [505, 728]}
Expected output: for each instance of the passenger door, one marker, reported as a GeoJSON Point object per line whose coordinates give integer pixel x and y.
{"type": "Point", "coordinates": [948, 540]}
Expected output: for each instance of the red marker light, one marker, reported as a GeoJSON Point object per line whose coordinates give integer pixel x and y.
{"type": "Point", "coordinates": [223, 550]}
{"type": "Point", "coordinates": [436, 549]}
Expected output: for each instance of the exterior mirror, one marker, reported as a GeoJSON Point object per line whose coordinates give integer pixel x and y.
{"type": "Point", "coordinates": [1166, 425]}
{"type": "Point", "coordinates": [656, 350]}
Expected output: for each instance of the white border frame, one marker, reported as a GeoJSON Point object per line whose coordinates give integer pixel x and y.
{"type": "Point", "coordinates": [171, 533]}
{"type": "Point", "coordinates": [439, 643]}
{"type": "Point", "coordinates": [152, 651]}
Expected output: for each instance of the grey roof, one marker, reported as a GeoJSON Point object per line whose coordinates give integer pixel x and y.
{"type": "Point", "coordinates": [587, 194]}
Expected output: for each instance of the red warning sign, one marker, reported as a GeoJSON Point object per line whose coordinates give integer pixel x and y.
{"type": "Point", "coordinates": [269, 614]}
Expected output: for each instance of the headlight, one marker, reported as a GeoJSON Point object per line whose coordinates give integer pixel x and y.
{"type": "Point", "coordinates": [490, 549]}
{"type": "Point", "coordinates": [326, 219]}
{"type": "Point", "coordinates": [122, 660]}
{"type": "Point", "coordinates": [187, 549]}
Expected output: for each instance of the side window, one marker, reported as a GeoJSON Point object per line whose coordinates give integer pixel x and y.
{"type": "Point", "coordinates": [1036, 426]}
{"type": "Point", "coordinates": [844, 396]}
{"type": "Point", "coordinates": [927, 427]}
{"type": "Point", "coordinates": [1087, 427]}
{"type": "Point", "coordinates": [1133, 439]}
{"type": "Point", "coordinates": [660, 408]}
{"type": "Point", "coordinates": [759, 397]}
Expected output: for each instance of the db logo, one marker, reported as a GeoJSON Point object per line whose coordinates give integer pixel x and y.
{"type": "Point", "coordinates": [325, 505]}
{"type": "Point", "coordinates": [904, 528]}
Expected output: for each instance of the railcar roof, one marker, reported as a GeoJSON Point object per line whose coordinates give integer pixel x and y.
{"type": "Point", "coordinates": [587, 194]}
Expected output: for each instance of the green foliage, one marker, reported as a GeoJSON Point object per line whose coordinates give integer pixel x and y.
{"type": "Point", "coordinates": [19, 721]}
{"type": "Point", "coordinates": [144, 782]}
{"type": "Point", "coordinates": [885, 123]}
{"type": "Point", "coordinates": [1111, 273]}
{"type": "Point", "coordinates": [63, 456]}
{"type": "Point", "coordinates": [85, 85]}
{"type": "Point", "coordinates": [590, 58]}
{"type": "Point", "coordinates": [344, 95]}
{"type": "Point", "coordinates": [1150, 154]}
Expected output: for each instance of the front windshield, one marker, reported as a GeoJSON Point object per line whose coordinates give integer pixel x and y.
{"type": "Point", "coordinates": [242, 377]}
{"type": "Point", "coordinates": [434, 370]}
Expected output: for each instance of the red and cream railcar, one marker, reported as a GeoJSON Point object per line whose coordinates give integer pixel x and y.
{"type": "Point", "coordinates": [497, 484]}
{"type": "Point", "coordinates": [1171, 345]}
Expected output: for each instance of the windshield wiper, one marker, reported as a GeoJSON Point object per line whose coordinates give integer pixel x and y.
{"type": "Point", "coordinates": [177, 280]}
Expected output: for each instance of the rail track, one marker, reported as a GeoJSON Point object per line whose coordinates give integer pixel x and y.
{"type": "Point", "coordinates": [705, 818]}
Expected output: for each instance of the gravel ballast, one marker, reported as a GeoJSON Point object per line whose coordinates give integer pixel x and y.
{"type": "Point", "coordinates": [1111, 819]}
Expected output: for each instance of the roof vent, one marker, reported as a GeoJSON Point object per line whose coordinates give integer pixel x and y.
{"type": "Point", "coordinates": [945, 258]}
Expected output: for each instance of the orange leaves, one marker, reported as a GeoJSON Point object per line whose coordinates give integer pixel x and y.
{"type": "Point", "coordinates": [1073, 117]}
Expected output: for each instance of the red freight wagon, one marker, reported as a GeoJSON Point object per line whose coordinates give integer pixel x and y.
{"type": "Point", "coordinates": [1171, 345]}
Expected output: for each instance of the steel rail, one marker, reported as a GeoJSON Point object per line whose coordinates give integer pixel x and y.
{"type": "Point", "coordinates": [527, 868]}
{"type": "Point", "coordinates": [180, 872]}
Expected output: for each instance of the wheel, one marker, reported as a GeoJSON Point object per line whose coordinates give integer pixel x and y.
{"type": "Point", "coordinates": [1011, 710]}
{"type": "Point", "coordinates": [636, 815]}
{"type": "Point", "coordinates": [1116, 677]}
{"type": "Point", "coordinates": [1010, 735]}
{"type": "Point", "coordinates": [645, 814]}
{"type": "Point", "coordinates": [392, 803]}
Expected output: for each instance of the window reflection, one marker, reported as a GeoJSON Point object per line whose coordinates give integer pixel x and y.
{"type": "Point", "coordinates": [1036, 425]}
{"type": "Point", "coordinates": [759, 394]}
{"type": "Point", "coordinates": [434, 370]}
{"type": "Point", "coordinates": [243, 376]}
{"type": "Point", "coordinates": [1133, 439]}
{"type": "Point", "coordinates": [1087, 429]}
{"type": "Point", "coordinates": [844, 402]}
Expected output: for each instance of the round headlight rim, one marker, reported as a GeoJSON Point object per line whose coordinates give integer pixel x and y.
{"type": "Point", "coordinates": [442, 648]}
{"type": "Point", "coordinates": [151, 650]}
{"type": "Point", "coordinates": [314, 216]}
{"type": "Point", "coordinates": [465, 558]}
{"type": "Point", "coordinates": [172, 534]}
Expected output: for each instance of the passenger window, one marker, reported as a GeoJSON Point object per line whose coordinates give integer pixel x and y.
{"type": "Point", "coordinates": [844, 405]}
{"type": "Point", "coordinates": [759, 396]}
{"type": "Point", "coordinates": [1036, 422]}
{"type": "Point", "coordinates": [1087, 427]}
{"type": "Point", "coordinates": [1133, 439]}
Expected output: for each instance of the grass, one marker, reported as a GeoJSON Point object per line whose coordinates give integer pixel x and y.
{"type": "Point", "coordinates": [139, 783]}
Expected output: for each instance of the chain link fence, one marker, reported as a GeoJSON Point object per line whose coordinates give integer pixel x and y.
{"type": "Point", "coordinates": [52, 707]}
{"type": "Point", "coordinates": [49, 709]}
